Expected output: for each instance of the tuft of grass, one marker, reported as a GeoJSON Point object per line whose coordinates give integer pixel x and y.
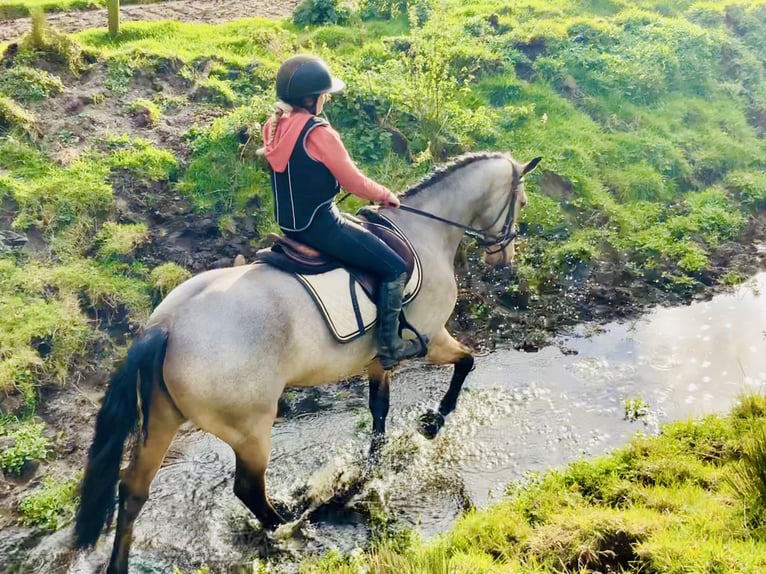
{"type": "Point", "coordinates": [27, 444]}
{"type": "Point", "coordinates": [27, 84]}
{"type": "Point", "coordinates": [51, 506]}
{"type": "Point", "coordinates": [217, 178]}
{"type": "Point", "coordinates": [747, 477]}
{"type": "Point", "coordinates": [168, 276]}
{"type": "Point", "coordinates": [215, 91]}
{"type": "Point", "coordinates": [118, 239]}
{"type": "Point", "coordinates": [140, 158]}
{"type": "Point", "coordinates": [53, 45]}
{"type": "Point", "coordinates": [147, 109]}
{"type": "Point", "coordinates": [14, 117]}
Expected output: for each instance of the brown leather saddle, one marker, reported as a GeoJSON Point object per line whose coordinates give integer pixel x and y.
{"type": "Point", "coordinates": [296, 257]}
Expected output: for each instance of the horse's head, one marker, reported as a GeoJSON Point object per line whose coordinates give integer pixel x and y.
{"type": "Point", "coordinates": [500, 219]}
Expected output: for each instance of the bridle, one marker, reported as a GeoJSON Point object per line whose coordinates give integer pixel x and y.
{"type": "Point", "coordinates": [498, 241]}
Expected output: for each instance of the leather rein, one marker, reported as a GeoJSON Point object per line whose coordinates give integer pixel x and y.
{"type": "Point", "coordinates": [501, 240]}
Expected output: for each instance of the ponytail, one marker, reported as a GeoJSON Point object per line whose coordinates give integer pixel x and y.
{"type": "Point", "coordinates": [281, 109]}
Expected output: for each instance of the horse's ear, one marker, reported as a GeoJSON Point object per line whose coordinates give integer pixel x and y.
{"type": "Point", "coordinates": [530, 166]}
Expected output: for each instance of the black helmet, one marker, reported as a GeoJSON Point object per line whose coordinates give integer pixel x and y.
{"type": "Point", "coordinates": [302, 76]}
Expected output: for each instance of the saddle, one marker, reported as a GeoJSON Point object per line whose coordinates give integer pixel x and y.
{"type": "Point", "coordinates": [296, 257]}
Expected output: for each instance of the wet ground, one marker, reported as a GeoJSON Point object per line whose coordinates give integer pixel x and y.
{"type": "Point", "coordinates": [519, 412]}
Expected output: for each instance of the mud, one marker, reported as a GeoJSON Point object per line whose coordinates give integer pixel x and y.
{"type": "Point", "coordinates": [204, 11]}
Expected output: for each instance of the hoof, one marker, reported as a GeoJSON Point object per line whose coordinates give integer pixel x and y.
{"type": "Point", "coordinates": [430, 424]}
{"type": "Point", "coordinates": [272, 521]}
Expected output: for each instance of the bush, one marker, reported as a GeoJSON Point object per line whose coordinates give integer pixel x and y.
{"type": "Point", "coordinates": [382, 9]}
{"type": "Point", "coordinates": [749, 187]}
{"type": "Point", "coordinates": [313, 12]}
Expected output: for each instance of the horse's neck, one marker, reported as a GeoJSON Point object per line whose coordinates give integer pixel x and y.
{"type": "Point", "coordinates": [455, 198]}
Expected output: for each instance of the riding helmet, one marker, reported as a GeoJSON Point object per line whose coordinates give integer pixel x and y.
{"type": "Point", "coordinates": [302, 76]}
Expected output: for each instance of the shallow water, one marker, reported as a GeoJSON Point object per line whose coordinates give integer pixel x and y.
{"type": "Point", "coordinates": [518, 412]}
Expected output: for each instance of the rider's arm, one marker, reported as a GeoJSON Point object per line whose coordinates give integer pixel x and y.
{"type": "Point", "coordinates": [324, 145]}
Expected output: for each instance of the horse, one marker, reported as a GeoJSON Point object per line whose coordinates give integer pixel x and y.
{"type": "Point", "coordinates": [221, 347]}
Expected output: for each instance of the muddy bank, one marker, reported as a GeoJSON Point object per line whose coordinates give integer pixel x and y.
{"type": "Point", "coordinates": [202, 11]}
{"type": "Point", "coordinates": [489, 314]}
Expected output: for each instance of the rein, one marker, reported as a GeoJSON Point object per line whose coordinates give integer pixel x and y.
{"type": "Point", "coordinates": [501, 240]}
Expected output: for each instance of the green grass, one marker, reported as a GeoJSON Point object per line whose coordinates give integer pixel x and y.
{"type": "Point", "coordinates": [51, 505]}
{"type": "Point", "coordinates": [26, 84]}
{"type": "Point", "coordinates": [27, 444]}
{"type": "Point", "coordinates": [661, 504]}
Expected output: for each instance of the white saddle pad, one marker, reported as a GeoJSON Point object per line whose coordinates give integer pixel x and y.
{"type": "Point", "coordinates": [347, 309]}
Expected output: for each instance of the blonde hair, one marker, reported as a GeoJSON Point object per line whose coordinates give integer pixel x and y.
{"type": "Point", "coordinates": [281, 109]}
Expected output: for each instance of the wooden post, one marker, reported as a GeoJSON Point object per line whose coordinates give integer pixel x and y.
{"type": "Point", "coordinates": [113, 7]}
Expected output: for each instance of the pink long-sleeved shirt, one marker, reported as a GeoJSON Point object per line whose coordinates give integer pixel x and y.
{"type": "Point", "coordinates": [324, 145]}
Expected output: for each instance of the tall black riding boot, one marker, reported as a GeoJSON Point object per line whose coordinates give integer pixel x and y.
{"type": "Point", "coordinates": [391, 347]}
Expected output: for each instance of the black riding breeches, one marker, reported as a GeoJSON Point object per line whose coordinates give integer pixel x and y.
{"type": "Point", "coordinates": [350, 243]}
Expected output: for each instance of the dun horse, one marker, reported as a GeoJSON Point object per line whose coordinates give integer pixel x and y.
{"type": "Point", "coordinates": [221, 348]}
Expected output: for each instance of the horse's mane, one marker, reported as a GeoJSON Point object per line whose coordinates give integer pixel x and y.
{"type": "Point", "coordinates": [443, 170]}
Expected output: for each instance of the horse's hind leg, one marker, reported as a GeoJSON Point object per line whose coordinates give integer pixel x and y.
{"type": "Point", "coordinates": [164, 420]}
{"type": "Point", "coordinates": [443, 350]}
{"type": "Point", "coordinates": [250, 475]}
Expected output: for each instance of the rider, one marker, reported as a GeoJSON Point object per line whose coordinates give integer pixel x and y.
{"type": "Point", "coordinates": [309, 164]}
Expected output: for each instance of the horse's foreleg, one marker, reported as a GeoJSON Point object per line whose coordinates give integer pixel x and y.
{"type": "Point", "coordinates": [250, 474]}
{"type": "Point", "coordinates": [380, 385]}
{"type": "Point", "coordinates": [445, 349]}
{"type": "Point", "coordinates": [164, 420]}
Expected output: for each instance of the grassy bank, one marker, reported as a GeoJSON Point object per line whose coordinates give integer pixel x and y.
{"type": "Point", "coordinates": [689, 500]}
{"type": "Point", "coordinates": [127, 163]}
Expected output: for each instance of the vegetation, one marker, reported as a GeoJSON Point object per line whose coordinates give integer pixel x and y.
{"type": "Point", "coordinates": [650, 116]}
{"type": "Point", "coordinates": [21, 8]}
{"type": "Point", "coordinates": [50, 506]}
{"type": "Point", "coordinates": [25, 443]}
{"type": "Point", "coordinates": [669, 503]}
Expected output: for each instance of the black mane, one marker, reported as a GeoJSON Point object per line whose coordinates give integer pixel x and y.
{"type": "Point", "coordinates": [443, 170]}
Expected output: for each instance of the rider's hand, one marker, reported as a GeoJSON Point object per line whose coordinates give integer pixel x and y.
{"type": "Point", "coordinates": [391, 201]}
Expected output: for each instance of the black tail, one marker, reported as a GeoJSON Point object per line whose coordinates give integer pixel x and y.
{"type": "Point", "coordinates": [116, 420]}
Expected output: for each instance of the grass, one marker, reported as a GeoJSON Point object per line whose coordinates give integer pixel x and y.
{"type": "Point", "coordinates": [25, 84]}
{"type": "Point", "coordinates": [19, 8]}
{"type": "Point", "coordinates": [661, 504]}
{"type": "Point", "coordinates": [27, 443]}
{"type": "Point", "coordinates": [50, 506]}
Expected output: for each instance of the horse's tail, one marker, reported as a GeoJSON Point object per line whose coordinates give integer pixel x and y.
{"type": "Point", "coordinates": [118, 418]}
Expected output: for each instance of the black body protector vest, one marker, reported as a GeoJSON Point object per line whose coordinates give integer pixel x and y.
{"type": "Point", "coordinates": [305, 187]}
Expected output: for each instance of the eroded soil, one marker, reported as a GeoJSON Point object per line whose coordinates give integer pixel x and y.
{"type": "Point", "coordinates": [207, 11]}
